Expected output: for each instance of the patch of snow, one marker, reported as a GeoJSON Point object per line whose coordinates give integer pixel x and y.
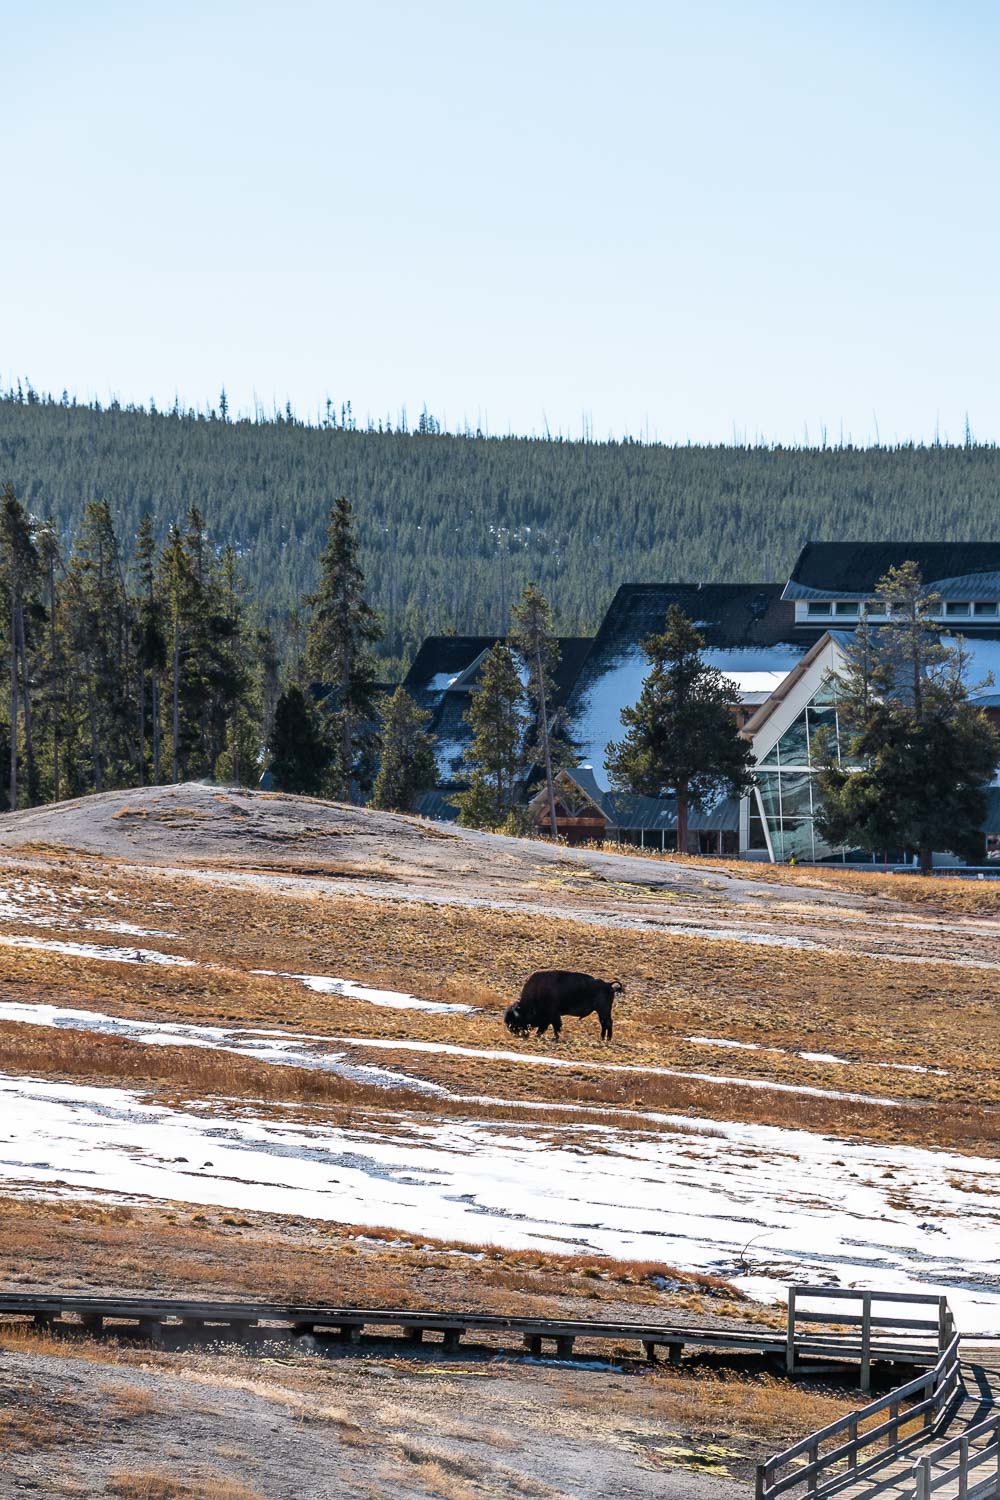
{"type": "Point", "coordinates": [823, 1057]}
{"type": "Point", "coordinates": [449, 1049]}
{"type": "Point", "coordinates": [126, 929]}
{"type": "Point", "coordinates": [758, 1204]}
{"type": "Point", "coordinates": [280, 1048]}
{"type": "Point", "coordinates": [442, 681]}
{"type": "Point", "coordinates": [391, 999]}
{"type": "Point", "coordinates": [94, 950]}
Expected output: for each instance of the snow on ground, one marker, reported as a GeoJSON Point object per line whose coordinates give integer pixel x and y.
{"type": "Point", "coordinates": [392, 999]}
{"type": "Point", "coordinates": [822, 1057]}
{"type": "Point", "coordinates": [486, 1054]}
{"type": "Point", "coordinates": [755, 1203]}
{"type": "Point", "coordinates": [302, 1050]}
{"type": "Point", "coordinates": [281, 1048]}
{"type": "Point", "coordinates": [94, 950]}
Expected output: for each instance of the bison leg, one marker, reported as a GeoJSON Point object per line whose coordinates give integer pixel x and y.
{"type": "Point", "coordinates": [606, 1027]}
{"type": "Point", "coordinates": [557, 1029]}
{"type": "Point", "coordinates": [541, 1030]}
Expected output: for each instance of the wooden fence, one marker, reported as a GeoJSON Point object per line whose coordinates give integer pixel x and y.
{"type": "Point", "coordinates": [972, 1463]}
{"type": "Point", "coordinates": [861, 1442]}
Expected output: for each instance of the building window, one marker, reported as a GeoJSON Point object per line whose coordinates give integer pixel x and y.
{"type": "Point", "coordinates": [985, 611]}
{"type": "Point", "coordinates": [875, 607]}
{"type": "Point", "coordinates": [846, 607]}
{"type": "Point", "coordinates": [783, 807]}
{"type": "Point", "coordinates": [818, 609]}
{"type": "Point", "coordinates": [954, 610]}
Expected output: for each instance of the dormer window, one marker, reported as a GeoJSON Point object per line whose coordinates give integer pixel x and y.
{"type": "Point", "coordinates": [985, 611]}
{"type": "Point", "coordinates": [846, 607]}
{"type": "Point", "coordinates": [955, 611]}
{"type": "Point", "coordinates": [818, 609]}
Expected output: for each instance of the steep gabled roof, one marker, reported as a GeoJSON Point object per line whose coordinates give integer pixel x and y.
{"type": "Point", "coordinates": [850, 569]}
{"type": "Point", "coordinates": [749, 633]}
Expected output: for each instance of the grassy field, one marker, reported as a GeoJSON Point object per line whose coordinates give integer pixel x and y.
{"type": "Point", "coordinates": [868, 1017]}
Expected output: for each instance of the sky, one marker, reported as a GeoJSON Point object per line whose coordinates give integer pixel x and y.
{"type": "Point", "coordinates": [711, 221]}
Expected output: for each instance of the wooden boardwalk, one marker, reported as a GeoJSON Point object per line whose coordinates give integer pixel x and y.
{"type": "Point", "coordinates": [166, 1319]}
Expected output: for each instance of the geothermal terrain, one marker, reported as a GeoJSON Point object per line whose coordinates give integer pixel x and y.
{"type": "Point", "coordinates": [252, 1045]}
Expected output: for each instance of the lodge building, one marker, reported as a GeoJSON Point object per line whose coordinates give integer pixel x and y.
{"type": "Point", "coordinates": [779, 644]}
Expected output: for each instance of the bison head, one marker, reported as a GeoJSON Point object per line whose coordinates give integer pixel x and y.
{"type": "Point", "coordinates": [515, 1020]}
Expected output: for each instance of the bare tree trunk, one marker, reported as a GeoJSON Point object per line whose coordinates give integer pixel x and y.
{"type": "Point", "coordinates": [177, 709]}
{"type": "Point", "coordinates": [543, 716]}
{"type": "Point", "coordinates": [13, 700]}
{"type": "Point", "coordinates": [141, 757]}
{"type": "Point", "coordinates": [682, 820]}
{"type": "Point", "coordinates": [95, 749]}
{"type": "Point", "coordinates": [156, 726]}
{"type": "Point", "coordinates": [29, 749]}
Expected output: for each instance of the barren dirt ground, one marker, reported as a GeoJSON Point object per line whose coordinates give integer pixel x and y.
{"type": "Point", "coordinates": [361, 1134]}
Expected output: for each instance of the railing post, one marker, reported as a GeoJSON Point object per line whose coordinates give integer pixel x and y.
{"type": "Point", "coordinates": [923, 1477]}
{"type": "Point", "coordinates": [761, 1481]}
{"type": "Point", "coordinates": [852, 1434]}
{"type": "Point", "coordinates": [963, 1469]}
{"type": "Point", "coordinates": [790, 1345]}
{"type": "Point", "coordinates": [893, 1436]}
{"type": "Point", "coordinates": [943, 1335]}
{"type": "Point", "coordinates": [813, 1451]}
{"type": "Point", "coordinates": [866, 1341]}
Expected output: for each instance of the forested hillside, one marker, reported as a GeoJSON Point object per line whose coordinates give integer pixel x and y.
{"type": "Point", "coordinates": [452, 526]}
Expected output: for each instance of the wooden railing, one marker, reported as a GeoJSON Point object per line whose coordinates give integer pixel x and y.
{"type": "Point", "coordinates": [938, 1328]}
{"type": "Point", "coordinates": [977, 1448]}
{"type": "Point", "coordinates": [861, 1442]}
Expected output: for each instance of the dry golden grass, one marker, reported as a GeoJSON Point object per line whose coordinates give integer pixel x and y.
{"type": "Point", "coordinates": [153, 1484]}
{"type": "Point", "coordinates": [863, 1007]}
{"type": "Point", "coordinates": [127, 1403]}
{"type": "Point", "coordinates": [742, 1406]}
{"type": "Point", "coordinates": [939, 893]}
{"type": "Point", "coordinates": [183, 1252]}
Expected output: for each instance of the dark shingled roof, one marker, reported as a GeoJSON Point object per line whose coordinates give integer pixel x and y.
{"type": "Point", "coordinates": [853, 568]}
{"type": "Point", "coordinates": [444, 657]}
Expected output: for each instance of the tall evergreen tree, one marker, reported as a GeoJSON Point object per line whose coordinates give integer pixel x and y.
{"type": "Point", "coordinates": [342, 631]}
{"type": "Point", "coordinates": [19, 572]}
{"type": "Point", "coordinates": [55, 685]}
{"type": "Point", "coordinates": [498, 720]}
{"type": "Point", "coordinates": [681, 737]}
{"type": "Point", "coordinates": [919, 754]}
{"type": "Point", "coordinates": [300, 753]}
{"type": "Point", "coordinates": [407, 766]}
{"type": "Point", "coordinates": [533, 637]}
{"type": "Point", "coordinates": [99, 622]}
{"type": "Point", "coordinates": [151, 642]}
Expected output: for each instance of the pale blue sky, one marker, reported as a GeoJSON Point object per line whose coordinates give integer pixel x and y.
{"type": "Point", "coordinates": [696, 219]}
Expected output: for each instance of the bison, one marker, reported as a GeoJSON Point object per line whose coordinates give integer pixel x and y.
{"type": "Point", "coordinates": [551, 994]}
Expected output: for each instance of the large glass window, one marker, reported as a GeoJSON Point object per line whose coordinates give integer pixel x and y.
{"type": "Point", "coordinates": [784, 801]}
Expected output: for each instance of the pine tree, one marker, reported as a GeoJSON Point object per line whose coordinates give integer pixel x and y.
{"type": "Point", "coordinates": [681, 736]}
{"type": "Point", "coordinates": [300, 753]}
{"type": "Point", "coordinates": [19, 571]}
{"type": "Point", "coordinates": [919, 754]}
{"type": "Point", "coordinates": [151, 643]}
{"type": "Point", "coordinates": [342, 631]}
{"type": "Point", "coordinates": [178, 586]}
{"type": "Point", "coordinates": [533, 638]}
{"type": "Point", "coordinates": [407, 766]}
{"type": "Point", "coordinates": [498, 720]}
{"type": "Point", "coordinates": [100, 633]}
{"type": "Point", "coordinates": [54, 687]}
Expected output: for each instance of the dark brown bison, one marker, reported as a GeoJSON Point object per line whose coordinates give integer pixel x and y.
{"type": "Point", "coordinates": [551, 994]}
